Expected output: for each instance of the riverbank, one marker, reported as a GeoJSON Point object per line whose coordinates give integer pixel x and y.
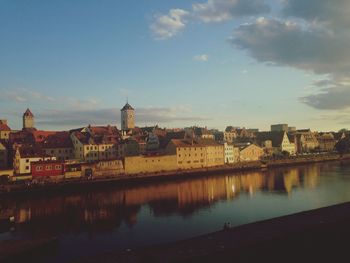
{"type": "Point", "coordinates": [316, 235]}
{"type": "Point", "coordinates": [68, 185]}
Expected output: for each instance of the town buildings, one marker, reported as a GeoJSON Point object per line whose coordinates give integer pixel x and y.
{"type": "Point", "coordinates": [109, 151]}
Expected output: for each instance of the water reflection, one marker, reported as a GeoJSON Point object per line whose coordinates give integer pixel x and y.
{"type": "Point", "coordinates": [107, 209]}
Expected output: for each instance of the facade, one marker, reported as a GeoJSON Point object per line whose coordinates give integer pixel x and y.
{"type": "Point", "coordinates": [279, 127]}
{"type": "Point", "coordinates": [4, 130]}
{"type": "Point", "coordinates": [229, 153]}
{"type": "Point", "coordinates": [47, 168]}
{"type": "Point", "coordinates": [326, 142]}
{"type": "Point", "coordinates": [306, 141]}
{"type": "Point", "coordinates": [251, 153]}
{"type": "Point", "coordinates": [93, 144]}
{"type": "Point", "coordinates": [28, 120]}
{"type": "Point", "coordinates": [191, 153]}
{"type": "Point", "coordinates": [24, 156]}
{"type": "Point", "coordinates": [59, 145]}
{"type": "Point", "coordinates": [127, 117]}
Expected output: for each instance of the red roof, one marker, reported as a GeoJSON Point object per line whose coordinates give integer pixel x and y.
{"type": "Point", "coordinates": [58, 140]}
{"type": "Point", "coordinates": [28, 113]}
{"type": "Point", "coordinates": [40, 136]}
{"type": "Point", "coordinates": [4, 127]}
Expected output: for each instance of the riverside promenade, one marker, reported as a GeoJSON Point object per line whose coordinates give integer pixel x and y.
{"type": "Point", "coordinates": [320, 235]}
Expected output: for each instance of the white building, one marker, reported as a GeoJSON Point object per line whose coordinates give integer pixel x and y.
{"type": "Point", "coordinates": [229, 153]}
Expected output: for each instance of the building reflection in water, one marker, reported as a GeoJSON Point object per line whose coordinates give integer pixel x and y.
{"type": "Point", "coordinates": [107, 209]}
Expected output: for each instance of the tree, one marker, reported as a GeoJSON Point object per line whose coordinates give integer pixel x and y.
{"type": "Point", "coordinates": [343, 146]}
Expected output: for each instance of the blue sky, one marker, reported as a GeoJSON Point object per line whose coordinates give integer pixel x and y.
{"type": "Point", "coordinates": [212, 62]}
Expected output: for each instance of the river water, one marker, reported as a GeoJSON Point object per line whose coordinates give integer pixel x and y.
{"type": "Point", "coordinates": [95, 222]}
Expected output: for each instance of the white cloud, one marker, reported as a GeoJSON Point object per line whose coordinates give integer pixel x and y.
{"type": "Point", "coordinates": [223, 10]}
{"type": "Point", "coordinates": [202, 57]}
{"type": "Point", "coordinates": [167, 26]}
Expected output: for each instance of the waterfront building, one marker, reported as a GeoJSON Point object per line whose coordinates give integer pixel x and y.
{"type": "Point", "coordinates": [306, 141]}
{"type": "Point", "coordinates": [127, 117]}
{"type": "Point", "coordinates": [25, 155]}
{"type": "Point", "coordinates": [28, 120]}
{"type": "Point", "coordinates": [196, 153]}
{"type": "Point", "coordinates": [5, 130]}
{"type": "Point", "coordinates": [229, 153]}
{"type": "Point", "coordinates": [47, 168]}
{"type": "Point", "coordinates": [95, 143]}
{"type": "Point", "coordinates": [279, 142]}
{"type": "Point", "coordinates": [250, 153]}
{"type": "Point", "coordinates": [59, 145]}
{"type": "Point", "coordinates": [326, 142]}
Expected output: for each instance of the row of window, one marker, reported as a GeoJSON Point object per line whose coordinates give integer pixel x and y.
{"type": "Point", "coordinates": [48, 167]}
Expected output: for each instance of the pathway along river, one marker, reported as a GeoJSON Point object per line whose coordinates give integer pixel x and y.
{"type": "Point", "coordinates": [93, 222]}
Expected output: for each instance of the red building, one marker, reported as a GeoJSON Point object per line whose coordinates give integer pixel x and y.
{"type": "Point", "coordinates": [47, 168]}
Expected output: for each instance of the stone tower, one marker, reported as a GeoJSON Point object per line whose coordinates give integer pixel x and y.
{"type": "Point", "coordinates": [127, 117]}
{"type": "Point", "coordinates": [28, 120]}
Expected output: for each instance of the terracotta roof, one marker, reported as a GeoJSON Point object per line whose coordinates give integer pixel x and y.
{"type": "Point", "coordinates": [58, 140]}
{"type": "Point", "coordinates": [127, 106]}
{"type": "Point", "coordinates": [28, 113]}
{"type": "Point", "coordinates": [40, 136]}
{"type": "Point", "coordinates": [194, 143]}
{"type": "Point", "coordinates": [4, 127]}
{"type": "Point", "coordinates": [29, 151]}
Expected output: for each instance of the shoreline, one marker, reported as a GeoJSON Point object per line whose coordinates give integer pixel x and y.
{"type": "Point", "coordinates": [68, 185]}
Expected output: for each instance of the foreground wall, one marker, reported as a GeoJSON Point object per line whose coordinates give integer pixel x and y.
{"type": "Point", "coordinates": [149, 164]}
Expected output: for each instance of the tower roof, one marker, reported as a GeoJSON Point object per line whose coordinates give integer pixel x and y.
{"type": "Point", "coordinates": [28, 113]}
{"type": "Point", "coordinates": [127, 106]}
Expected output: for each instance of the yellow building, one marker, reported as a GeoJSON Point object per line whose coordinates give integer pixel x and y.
{"type": "Point", "coordinates": [95, 143]}
{"type": "Point", "coordinates": [196, 153]}
{"type": "Point", "coordinates": [251, 153]}
{"type": "Point", "coordinates": [103, 168]}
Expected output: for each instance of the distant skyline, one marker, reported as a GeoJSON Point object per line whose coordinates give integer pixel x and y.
{"type": "Point", "coordinates": [214, 63]}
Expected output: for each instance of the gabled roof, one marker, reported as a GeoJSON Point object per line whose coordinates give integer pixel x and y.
{"type": "Point", "coordinates": [28, 113]}
{"type": "Point", "coordinates": [276, 137]}
{"type": "Point", "coordinates": [127, 106]}
{"type": "Point", "coordinates": [4, 127]}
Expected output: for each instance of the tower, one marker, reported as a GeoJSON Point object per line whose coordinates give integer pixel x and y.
{"type": "Point", "coordinates": [127, 117]}
{"type": "Point", "coordinates": [28, 120]}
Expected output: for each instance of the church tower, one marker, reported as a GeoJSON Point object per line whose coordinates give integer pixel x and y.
{"type": "Point", "coordinates": [127, 117]}
{"type": "Point", "coordinates": [28, 120]}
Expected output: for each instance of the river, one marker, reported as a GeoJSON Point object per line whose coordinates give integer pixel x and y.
{"type": "Point", "coordinates": [94, 222]}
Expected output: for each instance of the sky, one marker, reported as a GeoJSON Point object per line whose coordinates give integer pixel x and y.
{"type": "Point", "coordinates": [214, 63]}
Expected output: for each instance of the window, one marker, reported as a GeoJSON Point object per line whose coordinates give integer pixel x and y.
{"type": "Point", "coordinates": [48, 167]}
{"type": "Point", "coordinates": [58, 167]}
{"type": "Point", "coordinates": [38, 168]}
{"type": "Point", "coordinates": [27, 167]}
{"type": "Point", "coordinates": [27, 160]}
